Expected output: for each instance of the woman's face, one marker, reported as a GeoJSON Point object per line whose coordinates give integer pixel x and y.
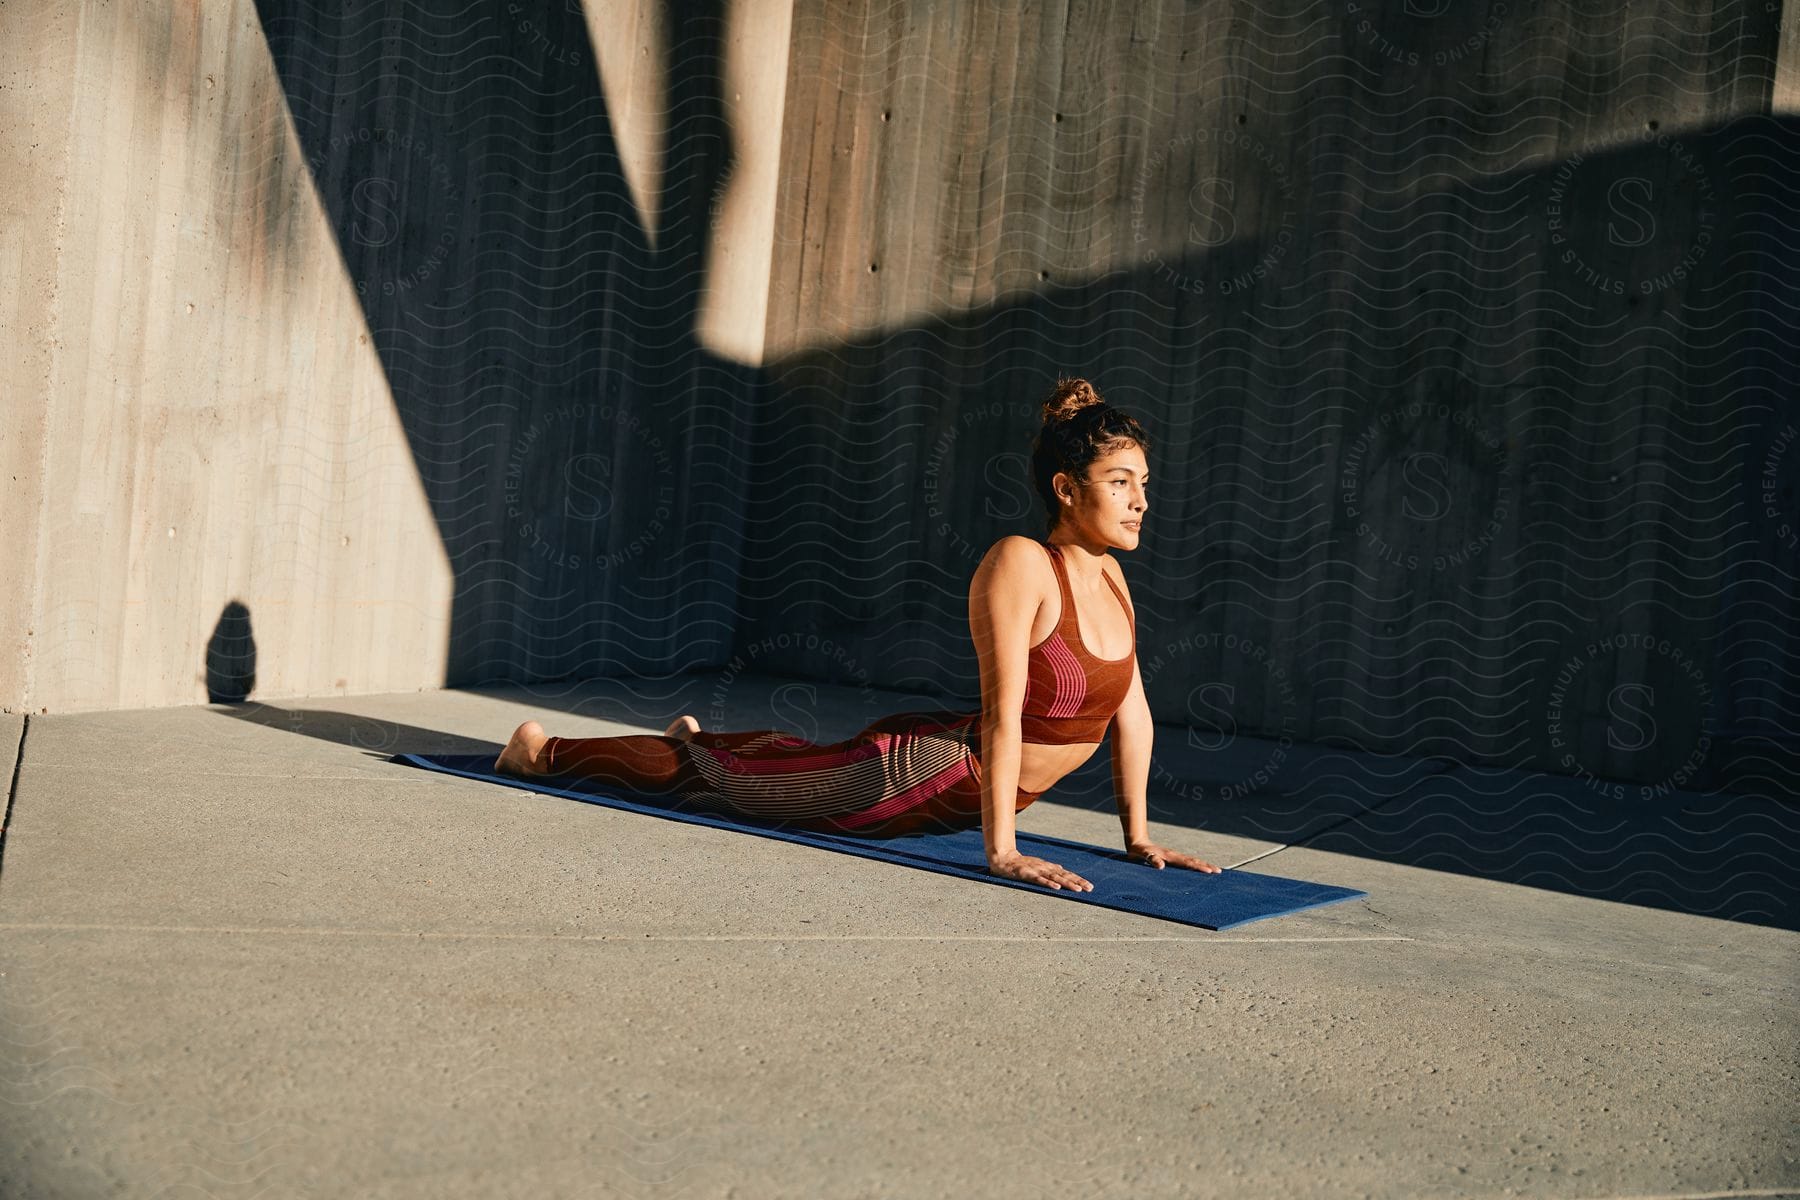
{"type": "Point", "coordinates": [1111, 501]}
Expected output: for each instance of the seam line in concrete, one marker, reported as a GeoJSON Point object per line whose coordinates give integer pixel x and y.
{"type": "Point", "coordinates": [1271, 850]}
{"type": "Point", "coordinates": [1786, 1191]}
{"type": "Point", "coordinates": [12, 790]}
{"type": "Point", "coordinates": [372, 777]}
{"type": "Point", "coordinates": [674, 937]}
{"type": "Point", "coordinates": [1443, 766]}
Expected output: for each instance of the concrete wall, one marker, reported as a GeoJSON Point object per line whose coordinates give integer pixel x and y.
{"type": "Point", "coordinates": [1458, 328]}
{"type": "Point", "coordinates": [541, 342]}
{"type": "Point", "coordinates": [405, 347]}
{"type": "Point", "coordinates": [196, 416]}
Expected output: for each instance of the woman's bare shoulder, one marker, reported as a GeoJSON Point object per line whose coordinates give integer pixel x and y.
{"type": "Point", "coordinates": [1015, 566]}
{"type": "Point", "coordinates": [1013, 554]}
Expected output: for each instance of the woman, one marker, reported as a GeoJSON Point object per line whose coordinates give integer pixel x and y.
{"type": "Point", "coordinates": [1049, 692]}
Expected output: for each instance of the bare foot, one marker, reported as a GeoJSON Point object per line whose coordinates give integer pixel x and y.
{"type": "Point", "coordinates": [523, 752]}
{"type": "Point", "coordinates": [682, 728]}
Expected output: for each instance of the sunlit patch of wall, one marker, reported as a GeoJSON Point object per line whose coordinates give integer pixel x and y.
{"type": "Point", "coordinates": [197, 418]}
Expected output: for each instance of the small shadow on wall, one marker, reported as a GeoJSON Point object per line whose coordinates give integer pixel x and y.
{"type": "Point", "coordinates": [231, 677]}
{"type": "Point", "coordinates": [231, 657]}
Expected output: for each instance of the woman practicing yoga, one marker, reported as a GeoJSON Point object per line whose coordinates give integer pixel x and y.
{"type": "Point", "coordinates": [1049, 692]}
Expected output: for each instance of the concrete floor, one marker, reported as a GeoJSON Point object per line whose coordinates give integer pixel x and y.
{"type": "Point", "coordinates": [244, 956]}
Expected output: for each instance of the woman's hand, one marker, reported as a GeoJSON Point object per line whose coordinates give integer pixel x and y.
{"type": "Point", "coordinates": [1157, 856]}
{"type": "Point", "coordinates": [1027, 869]}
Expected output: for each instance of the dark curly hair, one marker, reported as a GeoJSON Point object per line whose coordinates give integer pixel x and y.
{"type": "Point", "coordinates": [1078, 428]}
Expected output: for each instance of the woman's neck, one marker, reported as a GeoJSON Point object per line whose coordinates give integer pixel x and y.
{"type": "Point", "coordinates": [1090, 576]}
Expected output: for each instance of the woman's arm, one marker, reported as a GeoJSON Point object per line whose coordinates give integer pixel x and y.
{"type": "Point", "coordinates": [1133, 733]}
{"type": "Point", "coordinates": [1003, 599]}
{"type": "Point", "coordinates": [1002, 604]}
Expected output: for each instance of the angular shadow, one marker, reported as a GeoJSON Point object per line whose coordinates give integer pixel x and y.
{"type": "Point", "coordinates": [373, 736]}
{"type": "Point", "coordinates": [577, 445]}
{"type": "Point", "coordinates": [617, 501]}
{"type": "Point", "coordinates": [1715, 855]}
{"type": "Point", "coordinates": [1615, 516]}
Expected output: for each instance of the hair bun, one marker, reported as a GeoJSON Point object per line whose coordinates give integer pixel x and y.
{"type": "Point", "coordinates": [1069, 397]}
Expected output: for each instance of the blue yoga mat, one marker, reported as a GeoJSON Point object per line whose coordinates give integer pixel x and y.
{"type": "Point", "coordinates": [1223, 901]}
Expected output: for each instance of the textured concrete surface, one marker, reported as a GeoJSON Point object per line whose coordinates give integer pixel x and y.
{"type": "Point", "coordinates": [244, 956]}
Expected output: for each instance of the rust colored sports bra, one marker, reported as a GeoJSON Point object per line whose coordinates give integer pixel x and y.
{"type": "Point", "coordinates": [1071, 695]}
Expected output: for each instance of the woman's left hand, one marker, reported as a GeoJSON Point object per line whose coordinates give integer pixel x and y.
{"type": "Point", "coordinates": [1158, 856]}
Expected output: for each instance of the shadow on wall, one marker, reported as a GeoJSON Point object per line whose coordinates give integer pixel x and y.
{"type": "Point", "coordinates": [579, 449]}
{"type": "Point", "coordinates": [1429, 488]}
{"type": "Point", "coordinates": [231, 657]}
{"type": "Point", "coordinates": [1470, 484]}
{"type": "Point", "coordinates": [1480, 501]}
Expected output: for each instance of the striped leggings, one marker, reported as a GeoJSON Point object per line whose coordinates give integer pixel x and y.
{"type": "Point", "coordinates": [913, 772]}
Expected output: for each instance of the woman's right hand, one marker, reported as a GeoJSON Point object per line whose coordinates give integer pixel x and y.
{"type": "Point", "coordinates": [1027, 869]}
